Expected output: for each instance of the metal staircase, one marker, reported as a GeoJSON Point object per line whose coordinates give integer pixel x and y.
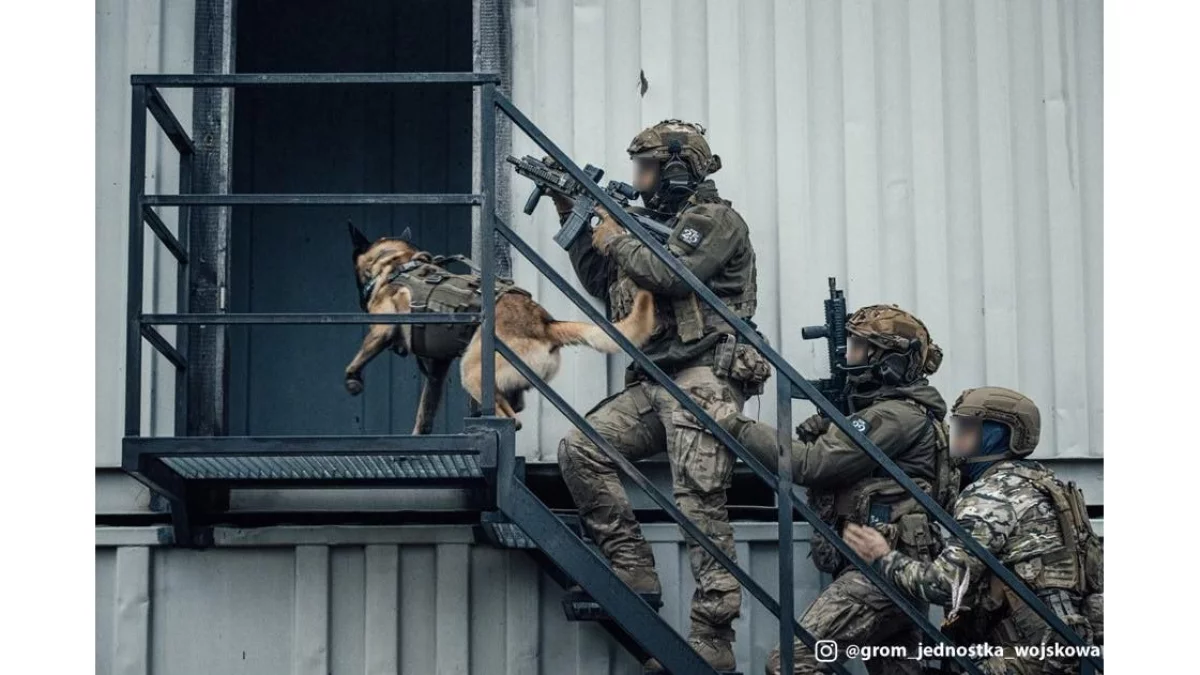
{"type": "Point", "coordinates": [194, 473]}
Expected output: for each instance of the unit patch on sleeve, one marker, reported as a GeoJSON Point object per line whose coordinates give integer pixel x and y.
{"type": "Point", "coordinates": [690, 235]}
{"type": "Point", "coordinates": [860, 424]}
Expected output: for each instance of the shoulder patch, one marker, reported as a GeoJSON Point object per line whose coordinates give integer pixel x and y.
{"type": "Point", "coordinates": [690, 235]}
{"type": "Point", "coordinates": [860, 424]}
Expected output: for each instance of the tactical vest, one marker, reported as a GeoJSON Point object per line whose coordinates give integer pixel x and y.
{"type": "Point", "coordinates": [1069, 579]}
{"type": "Point", "coordinates": [689, 317]}
{"type": "Point", "coordinates": [881, 502]}
{"type": "Point", "coordinates": [435, 290]}
{"type": "Point", "coordinates": [1078, 566]}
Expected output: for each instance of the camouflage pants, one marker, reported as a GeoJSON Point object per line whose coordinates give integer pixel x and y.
{"type": "Point", "coordinates": [853, 611]}
{"type": "Point", "coordinates": [641, 421]}
{"type": "Point", "coordinates": [1025, 627]}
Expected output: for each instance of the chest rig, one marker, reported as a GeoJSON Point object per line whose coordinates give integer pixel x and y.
{"type": "Point", "coordinates": [688, 317]}
{"type": "Point", "coordinates": [435, 290]}
{"type": "Point", "coordinates": [879, 501]}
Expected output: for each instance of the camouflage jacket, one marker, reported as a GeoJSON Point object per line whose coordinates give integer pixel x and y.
{"type": "Point", "coordinates": [712, 241]}
{"type": "Point", "coordinates": [1008, 515]}
{"type": "Point", "coordinates": [895, 419]}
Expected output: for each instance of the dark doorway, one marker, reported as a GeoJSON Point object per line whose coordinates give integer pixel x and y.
{"type": "Point", "coordinates": [288, 379]}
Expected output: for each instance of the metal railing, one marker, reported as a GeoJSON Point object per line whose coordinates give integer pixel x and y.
{"type": "Point", "coordinates": [147, 99]}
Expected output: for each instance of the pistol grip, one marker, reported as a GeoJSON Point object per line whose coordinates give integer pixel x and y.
{"type": "Point", "coordinates": [532, 201]}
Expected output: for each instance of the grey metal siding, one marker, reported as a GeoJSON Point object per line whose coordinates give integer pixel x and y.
{"type": "Point", "coordinates": [148, 36]}
{"type": "Point", "coordinates": [943, 155]}
{"type": "Point", "coordinates": [384, 600]}
{"type": "Point", "coordinates": [380, 600]}
{"type": "Point", "coordinates": [885, 142]}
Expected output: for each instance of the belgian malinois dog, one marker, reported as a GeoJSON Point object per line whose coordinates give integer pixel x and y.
{"type": "Point", "coordinates": [522, 324]}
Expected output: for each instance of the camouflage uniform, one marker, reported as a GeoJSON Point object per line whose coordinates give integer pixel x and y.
{"type": "Point", "coordinates": [712, 241]}
{"type": "Point", "coordinates": [1010, 511]}
{"type": "Point", "coordinates": [903, 416]}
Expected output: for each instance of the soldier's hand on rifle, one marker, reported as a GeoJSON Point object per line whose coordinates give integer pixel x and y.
{"type": "Point", "coordinates": [562, 203]}
{"type": "Point", "coordinates": [867, 542]}
{"type": "Point", "coordinates": [812, 428]}
{"type": "Point", "coordinates": [607, 230]}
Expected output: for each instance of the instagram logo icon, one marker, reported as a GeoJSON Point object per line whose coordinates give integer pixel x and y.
{"type": "Point", "coordinates": [826, 651]}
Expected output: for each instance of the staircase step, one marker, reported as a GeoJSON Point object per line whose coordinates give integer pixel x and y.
{"type": "Point", "coordinates": [618, 610]}
{"type": "Point", "coordinates": [500, 531]}
{"type": "Point", "coordinates": [578, 605]}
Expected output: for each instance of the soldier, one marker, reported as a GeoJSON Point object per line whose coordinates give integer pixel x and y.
{"type": "Point", "coordinates": [889, 358]}
{"type": "Point", "coordinates": [1019, 511]}
{"type": "Point", "coordinates": [696, 348]}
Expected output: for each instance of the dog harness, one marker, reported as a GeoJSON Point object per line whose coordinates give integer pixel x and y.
{"type": "Point", "coordinates": [433, 289]}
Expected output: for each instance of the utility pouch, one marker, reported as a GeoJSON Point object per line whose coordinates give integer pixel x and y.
{"type": "Point", "coordinates": [916, 536]}
{"type": "Point", "coordinates": [741, 363]}
{"type": "Point", "coordinates": [723, 355]}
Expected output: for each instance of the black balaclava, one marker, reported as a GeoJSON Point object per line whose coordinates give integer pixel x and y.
{"type": "Point", "coordinates": [675, 183]}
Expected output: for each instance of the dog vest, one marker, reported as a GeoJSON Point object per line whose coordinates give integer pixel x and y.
{"type": "Point", "coordinates": [436, 290]}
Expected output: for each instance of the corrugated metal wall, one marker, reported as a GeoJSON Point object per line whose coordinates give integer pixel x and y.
{"type": "Point", "coordinates": [300, 601]}
{"type": "Point", "coordinates": [941, 155]}
{"type": "Point", "coordinates": [147, 36]}
{"type": "Point", "coordinates": [409, 600]}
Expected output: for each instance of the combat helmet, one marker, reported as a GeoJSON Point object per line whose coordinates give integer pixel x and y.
{"type": "Point", "coordinates": [1010, 408]}
{"type": "Point", "coordinates": [668, 137]}
{"type": "Point", "coordinates": [906, 351]}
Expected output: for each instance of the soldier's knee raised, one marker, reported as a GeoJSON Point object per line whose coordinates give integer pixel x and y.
{"type": "Point", "coordinates": [575, 447]}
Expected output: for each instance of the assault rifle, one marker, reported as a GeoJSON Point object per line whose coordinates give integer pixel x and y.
{"type": "Point", "coordinates": [547, 178]}
{"type": "Point", "coordinates": [834, 332]}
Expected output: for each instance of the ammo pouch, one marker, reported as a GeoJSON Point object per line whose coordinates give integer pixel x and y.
{"type": "Point", "coordinates": [882, 504]}
{"type": "Point", "coordinates": [741, 363]}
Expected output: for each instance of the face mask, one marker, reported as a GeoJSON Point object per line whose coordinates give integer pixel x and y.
{"type": "Point", "coordinates": [675, 180]}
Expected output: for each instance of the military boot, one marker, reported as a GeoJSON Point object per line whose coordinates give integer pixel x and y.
{"type": "Point", "coordinates": [715, 648]}
{"type": "Point", "coordinates": [643, 580]}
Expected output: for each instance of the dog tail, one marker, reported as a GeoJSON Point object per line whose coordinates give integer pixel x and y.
{"type": "Point", "coordinates": [637, 328]}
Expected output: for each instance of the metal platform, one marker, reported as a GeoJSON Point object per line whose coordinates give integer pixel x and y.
{"type": "Point", "coordinates": [310, 461]}
{"type": "Point", "coordinates": [194, 474]}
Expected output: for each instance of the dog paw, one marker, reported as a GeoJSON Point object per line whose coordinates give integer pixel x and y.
{"type": "Point", "coordinates": [516, 424]}
{"type": "Point", "coordinates": [354, 386]}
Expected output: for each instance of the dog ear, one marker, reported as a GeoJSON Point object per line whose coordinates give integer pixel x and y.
{"type": "Point", "coordinates": [361, 243]}
{"type": "Point", "coordinates": [406, 235]}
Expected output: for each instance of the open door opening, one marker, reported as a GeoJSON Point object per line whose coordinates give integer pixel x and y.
{"type": "Point", "coordinates": [288, 379]}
